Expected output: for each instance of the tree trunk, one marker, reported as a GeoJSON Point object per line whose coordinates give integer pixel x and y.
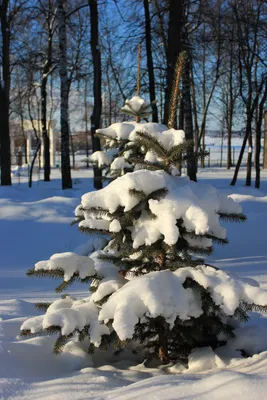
{"type": "Point", "coordinates": [261, 116]}
{"type": "Point", "coordinates": [173, 48]}
{"type": "Point", "coordinates": [72, 151]}
{"type": "Point", "coordinates": [249, 159]}
{"type": "Point", "coordinates": [265, 142]}
{"type": "Point", "coordinates": [188, 121]}
{"type": "Point", "coordinates": [194, 103]}
{"type": "Point", "coordinates": [5, 156]}
{"type": "Point", "coordinates": [64, 106]}
{"type": "Point", "coordinates": [46, 144]}
{"type": "Point", "coordinates": [204, 90]}
{"type": "Point", "coordinates": [257, 153]}
{"type": "Point", "coordinates": [248, 131]}
{"type": "Point", "coordinates": [96, 115]}
{"type": "Point", "coordinates": [150, 65]}
{"type": "Point", "coordinates": [86, 123]}
{"type": "Point", "coordinates": [45, 74]}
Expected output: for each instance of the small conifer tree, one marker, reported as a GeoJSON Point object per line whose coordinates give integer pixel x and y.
{"type": "Point", "coordinates": [150, 285]}
{"type": "Point", "coordinates": [148, 281]}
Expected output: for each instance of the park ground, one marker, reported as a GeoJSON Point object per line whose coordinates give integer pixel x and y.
{"type": "Point", "coordinates": [34, 224]}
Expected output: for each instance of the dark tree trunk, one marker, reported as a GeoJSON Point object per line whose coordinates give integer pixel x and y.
{"type": "Point", "coordinates": [46, 143]}
{"type": "Point", "coordinates": [188, 121]}
{"type": "Point", "coordinates": [249, 159]}
{"type": "Point", "coordinates": [194, 103]}
{"type": "Point", "coordinates": [64, 105]}
{"type": "Point", "coordinates": [150, 65]}
{"type": "Point", "coordinates": [257, 154]}
{"type": "Point", "coordinates": [173, 48]}
{"type": "Point", "coordinates": [5, 156]}
{"type": "Point", "coordinates": [204, 91]}
{"type": "Point", "coordinates": [241, 154]}
{"type": "Point", "coordinates": [265, 142]}
{"type": "Point", "coordinates": [181, 113]}
{"type": "Point", "coordinates": [45, 73]}
{"type": "Point", "coordinates": [86, 123]}
{"type": "Point", "coordinates": [261, 116]}
{"type": "Point", "coordinates": [96, 115]}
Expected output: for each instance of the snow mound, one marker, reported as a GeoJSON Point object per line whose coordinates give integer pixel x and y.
{"type": "Point", "coordinates": [146, 297]}
{"type": "Point", "coordinates": [70, 263]}
{"type": "Point", "coordinates": [203, 359]}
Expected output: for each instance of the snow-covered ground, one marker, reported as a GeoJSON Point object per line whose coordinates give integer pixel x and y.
{"type": "Point", "coordinates": [35, 223]}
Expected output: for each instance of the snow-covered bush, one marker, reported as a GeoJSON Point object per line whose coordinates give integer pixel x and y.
{"type": "Point", "coordinates": [149, 284]}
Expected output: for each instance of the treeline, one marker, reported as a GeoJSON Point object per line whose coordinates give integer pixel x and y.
{"type": "Point", "coordinates": [53, 48]}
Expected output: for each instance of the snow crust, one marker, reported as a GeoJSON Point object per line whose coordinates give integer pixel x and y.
{"type": "Point", "coordinates": [70, 263]}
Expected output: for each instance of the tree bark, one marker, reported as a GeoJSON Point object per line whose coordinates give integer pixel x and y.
{"type": "Point", "coordinates": [188, 121]}
{"type": "Point", "coordinates": [249, 159]}
{"type": "Point", "coordinates": [45, 74]}
{"type": "Point", "coordinates": [173, 49]}
{"type": "Point", "coordinates": [96, 115]}
{"type": "Point", "coordinates": [150, 65]}
{"type": "Point", "coordinates": [247, 133]}
{"type": "Point", "coordinates": [194, 104]}
{"type": "Point", "coordinates": [204, 90]}
{"type": "Point", "coordinates": [265, 141]}
{"type": "Point", "coordinates": [5, 156]}
{"type": "Point", "coordinates": [46, 144]}
{"type": "Point", "coordinates": [64, 105]}
{"type": "Point", "coordinates": [261, 116]}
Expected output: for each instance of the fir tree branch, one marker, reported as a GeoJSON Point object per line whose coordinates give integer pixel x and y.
{"type": "Point", "coordinates": [42, 306]}
{"type": "Point", "coordinates": [232, 217]}
{"type": "Point", "coordinates": [147, 140]}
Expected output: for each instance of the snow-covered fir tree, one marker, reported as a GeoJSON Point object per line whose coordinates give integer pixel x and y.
{"type": "Point", "coordinates": [121, 152]}
{"type": "Point", "coordinates": [150, 286]}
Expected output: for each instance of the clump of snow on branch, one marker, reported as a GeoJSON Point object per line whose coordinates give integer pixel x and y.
{"type": "Point", "coordinates": [146, 298]}
{"type": "Point", "coordinates": [198, 205]}
{"type": "Point", "coordinates": [111, 279]}
{"type": "Point", "coordinates": [119, 164]}
{"type": "Point", "coordinates": [127, 131]}
{"type": "Point", "coordinates": [70, 263]}
{"type": "Point", "coordinates": [69, 314]}
{"type": "Point", "coordinates": [137, 106]}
